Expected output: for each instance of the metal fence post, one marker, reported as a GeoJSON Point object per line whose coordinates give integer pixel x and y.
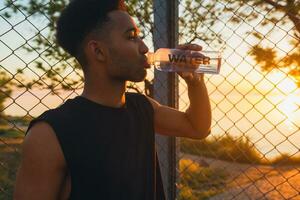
{"type": "Point", "coordinates": [166, 89]}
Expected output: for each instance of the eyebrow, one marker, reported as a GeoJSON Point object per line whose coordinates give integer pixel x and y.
{"type": "Point", "coordinates": [132, 29]}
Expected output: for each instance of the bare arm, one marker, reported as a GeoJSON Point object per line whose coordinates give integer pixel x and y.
{"type": "Point", "coordinates": [43, 169]}
{"type": "Point", "coordinates": [196, 121]}
{"type": "Point", "coordinates": [199, 111]}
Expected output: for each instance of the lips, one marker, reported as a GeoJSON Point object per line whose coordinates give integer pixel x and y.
{"type": "Point", "coordinates": [146, 64]}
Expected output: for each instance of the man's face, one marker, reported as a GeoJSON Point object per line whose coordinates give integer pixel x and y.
{"type": "Point", "coordinates": [127, 60]}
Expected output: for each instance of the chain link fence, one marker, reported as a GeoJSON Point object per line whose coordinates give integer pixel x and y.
{"type": "Point", "coordinates": [253, 149]}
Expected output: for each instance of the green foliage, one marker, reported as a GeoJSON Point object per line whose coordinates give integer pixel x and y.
{"type": "Point", "coordinates": [10, 144]}
{"type": "Point", "coordinates": [260, 54]}
{"type": "Point", "coordinates": [275, 13]}
{"type": "Point", "coordinates": [232, 149]}
{"type": "Point", "coordinates": [196, 16]}
{"type": "Point", "coordinates": [10, 133]}
{"type": "Point", "coordinates": [286, 159]}
{"type": "Point", "coordinates": [224, 148]}
{"type": "Point", "coordinates": [9, 158]}
{"type": "Point", "coordinates": [46, 47]}
{"type": "Point", "coordinates": [19, 121]}
{"type": "Point", "coordinates": [5, 91]}
{"type": "Point", "coordinates": [20, 125]}
{"type": "Point", "coordinates": [197, 182]}
{"type": "Point", "coordinates": [144, 15]}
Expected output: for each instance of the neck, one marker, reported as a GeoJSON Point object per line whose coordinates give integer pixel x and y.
{"type": "Point", "coordinates": [105, 92]}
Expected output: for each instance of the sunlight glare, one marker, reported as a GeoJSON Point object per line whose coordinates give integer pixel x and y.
{"type": "Point", "coordinates": [287, 86]}
{"type": "Point", "coordinates": [288, 107]}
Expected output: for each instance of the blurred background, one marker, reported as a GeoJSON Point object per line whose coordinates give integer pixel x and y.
{"type": "Point", "coordinates": [253, 149]}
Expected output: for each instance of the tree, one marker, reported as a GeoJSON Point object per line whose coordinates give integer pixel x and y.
{"type": "Point", "coordinates": [46, 47]}
{"type": "Point", "coordinates": [278, 13]}
{"type": "Point", "coordinates": [197, 16]}
{"type": "Point", "coordinates": [5, 92]}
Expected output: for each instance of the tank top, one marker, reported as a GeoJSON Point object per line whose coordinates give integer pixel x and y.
{"type": "Point", "coordinates": [109, 152]}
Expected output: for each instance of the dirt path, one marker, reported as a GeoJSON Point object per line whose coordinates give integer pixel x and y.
{"type": "Point", "coordinates": [256, 181]}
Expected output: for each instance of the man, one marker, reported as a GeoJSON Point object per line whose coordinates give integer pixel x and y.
{"type": "Point", "coordinates": [100, 145]}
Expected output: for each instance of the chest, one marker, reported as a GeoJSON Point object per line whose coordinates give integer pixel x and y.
{"type": "Point", "coordinates": [113, 142]}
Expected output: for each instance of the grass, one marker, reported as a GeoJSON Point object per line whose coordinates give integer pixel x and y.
{"type": "Point", "coordinates": [23, 121]}
{"type": "Point", "coordinates": [11, 133]}
{"type": "Point", "coordinates": [9, 162]}
{"type": "Point", "coordinates": [224, 148]}
{"type": "Point", "coordinates": [232, 149]}
{"type": "Point", "coordinates": [286, 159]}
{"type": "Point", "coordinates": [197, 182]}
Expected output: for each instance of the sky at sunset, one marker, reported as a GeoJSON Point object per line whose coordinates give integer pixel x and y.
{"type": "Point", "coordinates": [245, 100]}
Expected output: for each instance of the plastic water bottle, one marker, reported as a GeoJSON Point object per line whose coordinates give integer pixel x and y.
{"type": "Point", "coordinates": [177, 60]}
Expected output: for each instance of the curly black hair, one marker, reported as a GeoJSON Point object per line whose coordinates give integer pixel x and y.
{"type": "Point", "coordinates": [81, 17]}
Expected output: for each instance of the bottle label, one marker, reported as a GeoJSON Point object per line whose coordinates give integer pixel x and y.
{"type": "Point", "coordinates": [194, 59]}
{"type": "Point", "coordinates": [175, 60]}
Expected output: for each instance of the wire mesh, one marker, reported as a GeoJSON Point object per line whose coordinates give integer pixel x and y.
{"type": "Point", "coordinates": [253, 149]}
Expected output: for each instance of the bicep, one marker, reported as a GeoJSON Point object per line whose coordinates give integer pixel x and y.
{"type": "Point", "coordinates": [171, 122]}
{"type": "Point", "coordinates": [42, 168]}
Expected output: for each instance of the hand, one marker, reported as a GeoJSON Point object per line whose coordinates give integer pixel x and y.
{"type": "Point", "coordinates": [191, 77]}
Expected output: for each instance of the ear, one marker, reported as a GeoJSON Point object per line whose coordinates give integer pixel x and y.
{"type": "Point", "coordinates": [97, 50]}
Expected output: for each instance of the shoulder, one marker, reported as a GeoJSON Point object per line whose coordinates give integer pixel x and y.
{"type": "Point", "coordinates": [133, 95]}
{"type": "Point", "coordinates": [41, 146]}
{"type": "Point", "coordinates": [155, 104]}
{"type": "Point", "coordinates": [137, 96]}
{"type": "Point", "coordinates": [54, 117]}
{"type": "Point", "coordinates": [39, 133]}
{"type": "Point", "coordinates": [141, 102]}
{"type": "Point", "coordinates": [43, 135]}
{"type": "Point", "coordinates": [59, 112]}
{"type": "Point", "coordinates": [64, 110]}
{"type": "Point", "coordinates": [42, 168]}
{"type": "Point", "coordinates": [141, 99]}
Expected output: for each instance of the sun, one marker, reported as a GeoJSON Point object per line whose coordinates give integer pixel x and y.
{"type": "Point", "coordinates": [287, 86]}
{"type": "Point", "coordinates": [291, 101]}
{"type": "Point", "coordinates": [288, 107]}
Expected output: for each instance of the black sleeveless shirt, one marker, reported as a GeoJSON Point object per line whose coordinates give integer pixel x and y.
{"type": "Point", "coordinates": [110, 152]}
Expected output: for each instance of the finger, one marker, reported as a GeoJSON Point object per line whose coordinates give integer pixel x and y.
{"type": "Point", "coordinates": [193, 47]}
{"type": "Point", "coordinates": [199, 75]}
{"type": "Point", "coordinates": [185, 75]}
{"type": "Point", "coordinates": [182, 46]}
{"type": "Point", "coordinates": [181, 74]}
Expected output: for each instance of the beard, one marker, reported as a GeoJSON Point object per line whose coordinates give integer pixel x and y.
{"type": "Point", "coordinates": [139, 76]}
{"type": "Point", "coordinates": [130, 75]}
{"type": "Point", "coordinates": [124, 69]}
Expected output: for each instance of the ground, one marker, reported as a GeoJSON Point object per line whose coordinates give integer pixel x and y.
{"type": "Point", "coordinates": [248, 181]}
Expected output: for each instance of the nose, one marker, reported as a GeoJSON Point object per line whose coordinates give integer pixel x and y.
{"type": "Point", "coordinates": [143, 47]}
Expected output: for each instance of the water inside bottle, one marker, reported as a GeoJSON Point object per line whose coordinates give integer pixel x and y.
{"type": "Point", "coordinates": [212, 68]}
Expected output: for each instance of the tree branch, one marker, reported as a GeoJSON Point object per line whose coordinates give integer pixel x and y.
{"type": "Point", "coordinates": [292, 14]}
{"type": "Point", "coordinates": [275, 4]}
{"type": "Point", "coordinates": [295, 19]}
